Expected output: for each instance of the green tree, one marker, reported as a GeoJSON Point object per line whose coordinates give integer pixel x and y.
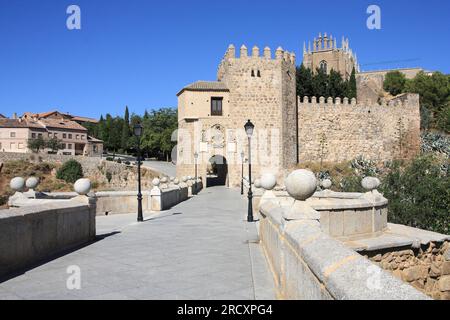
{"type": "Point", "coordinates": [336, 85]}
{"type": "Point", "coordinates": [320, 84]}
{"type": "Point", "coordinates": [125, 130]}
{"type": "Point", "coordinates": [351, 85]}
{"type": "Point", "coordinates": [394, 82]}
{"type": "Point", "coordinates": [54, 144]}
{"type": "Point", "coordinates": [37, 144]}
{"type": "Point", "coordinates": [70, 171]}
{"type": "Point", "coordinates": [158, 129]}
{"type": "Point", "coordinates": [304, 78]}
{"type": "Point", "coordinates": [419, 195]}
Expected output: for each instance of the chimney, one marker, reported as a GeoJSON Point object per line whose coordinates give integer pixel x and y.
{"type": "Point", "coordinates": [14, 115]}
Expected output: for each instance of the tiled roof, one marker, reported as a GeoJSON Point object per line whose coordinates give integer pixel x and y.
{"type": "Point", "coordinates": [92, 139]}
{"type": "Point", "coordinates": [16, 123]}
{"type": "Point", "coordinates": [62, 124]}
{"type": "Point", "coordinates": [205, 86]}
{"type": "Point", "coordinates": [84, 119]}
{"type": "Point", "coordinates": [2, 116]}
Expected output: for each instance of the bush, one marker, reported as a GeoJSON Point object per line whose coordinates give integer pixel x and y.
{"type": "Point", "coordinates": [109, 159]}
{"type": "Point", "coordinates": [394, 82]}
{"type": "Point", "coordinates": [419, 194]}
{"type": "Point", "coordinates": [119, 160]}
{"type": "Point", "coordinates": [70, 171]}
{"type": "Point", "coordinates": [127, 163]}
{"type": "Point", "coordinates": [108, 176]}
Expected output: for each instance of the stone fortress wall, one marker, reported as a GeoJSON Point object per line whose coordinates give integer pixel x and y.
{"type": "Point", "coordinates": [290, 129]}
{"type": "Point", "coordinates": [337, 131]}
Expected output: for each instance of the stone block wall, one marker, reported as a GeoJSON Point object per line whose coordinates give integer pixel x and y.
{"type": "Point", "coordinates": [123, 177]}
{"type": "Point", "coordinates": [30, 234]}
{"type": "Point", "coordinates": [426, 268]}
{"type": "Point", "coordinates": [337, 131]}
{"type": "Point", "coordinates": [310, 265]}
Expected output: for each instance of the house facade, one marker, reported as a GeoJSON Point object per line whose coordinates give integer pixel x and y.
{"type": "Point", "coordinates": [72, 137]}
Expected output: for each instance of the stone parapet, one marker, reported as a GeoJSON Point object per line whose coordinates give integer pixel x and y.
{"type": "Point", "coordinates": [309, 264]}
{"type": "Point", "coordinates": [30, 234]}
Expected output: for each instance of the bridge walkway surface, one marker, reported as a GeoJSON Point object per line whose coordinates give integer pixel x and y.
{"type": "Point", "coordinates": [200, 249]}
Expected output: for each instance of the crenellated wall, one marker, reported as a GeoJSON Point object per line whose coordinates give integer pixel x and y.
{"type": "Point", "coordinates": [342, 130]}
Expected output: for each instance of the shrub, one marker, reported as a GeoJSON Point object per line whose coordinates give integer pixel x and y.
{"type": "Point", "coordinates": [394, 82]}
{"type": "Point", "coordinates": [127, 163]}
{"type": "Point", "coordinates": [109, 159]}
{"type": "Point", "coordinates": [108, 176]}
{"type": "Point", "coordinates": [119, 160]}
{"type": "Point", "coordinates": [419, 194]}
{"type": "Point", "coordinates": [70, 171]}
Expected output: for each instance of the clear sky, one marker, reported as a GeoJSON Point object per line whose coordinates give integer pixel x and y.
{"type": "Point", "coordinates": [140, 53]}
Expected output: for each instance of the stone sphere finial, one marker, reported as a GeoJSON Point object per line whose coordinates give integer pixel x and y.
{"type": "Point", "coordinates": [172, 179]}
{"type": "Point", "coordinates": [326, 184]}
{"type": "Point", "coordinates": [370, 183]}
{"type": "Point", "coordinates": [257, 183]}
{"type": "Point", "coordinates": [268, 181]}
{"type": "Point", "coordinates": [32, 182]}
{"type": "Point", "coordinates": [156, 182]}
{"type": "Point", "coordinates": [176, 181]}
{"type": "Point", "coordinates": [17, 183]}
{"type": "Point", "coordinates": [301, 184]}
{"type": "Point", "coordinates": [189, 177]}
{"type": "Point", "coordinates": [164, 180]}
{"type": "Point", "coordinates": [184, 179]}
{"type": "Point", "coordinates": [82, 186]}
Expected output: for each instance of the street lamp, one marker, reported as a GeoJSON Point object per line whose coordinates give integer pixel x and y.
{"type": "Point", "coordinates": [138, 133]}
{"type": "Point", "coordinates": [195, 183]}
{"type": "Point", "coordinates": [242, 175]}
{"type": "Point", "coordinates": [249, 127]}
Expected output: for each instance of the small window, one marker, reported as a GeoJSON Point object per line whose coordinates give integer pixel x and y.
{"type": "Point", "coordinates": [20, 145]}
{"type": "Point", "coordinates": [323, 66]}
{"type": "Point", "coordinates": [259, 74]}
{"type": "Point", "coordinates": [70, 136]}
{"type": "Point", "coordinates": [69, 146]}
{"type": "Point", "coordinates": [55, 135]}
{"type": "Point", "coordinates": [82, 137]}
{"type": "Point", "coordinates": [33, 135]}
{"type": "Point", "coordinates": [78, 137]}
{"type": "Point", "coordinates": [64, 145]}
{"type": "Point", "coordinates": [253, 73]}
{"type": "Point", "coordinates": [64, 136]}
{"type": "Point", "coordinates": [216, 106]}
{"type": "Point", "coordinates": [39, 135]}
{"type": "Point", "coordinates": [12, 135]}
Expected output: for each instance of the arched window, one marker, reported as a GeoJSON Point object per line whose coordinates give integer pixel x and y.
{"type": "Point", "coordinates": [253, 73]}
{"type": "Point", "coordinates": [323, 66]}
{"type": "Point", "coordinates": [259, 74]}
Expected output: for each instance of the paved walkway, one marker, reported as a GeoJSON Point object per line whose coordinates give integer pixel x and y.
{"type": "Point", "coordinates": [201, 249]}
{"type": "Point", "coordinates": [167, 168]}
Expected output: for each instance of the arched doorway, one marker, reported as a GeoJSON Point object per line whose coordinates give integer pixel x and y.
{"type": "Point", "coordinates": [217, 171]}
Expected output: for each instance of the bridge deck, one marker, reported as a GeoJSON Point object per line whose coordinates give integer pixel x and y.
{"type": "Point", "coordinates": [200, 249]}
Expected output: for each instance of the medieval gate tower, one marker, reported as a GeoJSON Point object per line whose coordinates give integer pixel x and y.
{"type": "Point", "coordinates": [212, 115]}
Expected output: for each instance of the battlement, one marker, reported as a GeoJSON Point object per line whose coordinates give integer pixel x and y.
{"type": "Point", "coordinates": [404, 100]}
{"type": "Point", "coordinates": [280, 54]}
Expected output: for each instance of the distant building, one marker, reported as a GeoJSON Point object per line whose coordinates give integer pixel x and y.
{"type": "Point", "coordinates": [325, 55]}
{"type": "Point", "coordinates": [15, 133]}
{"type": "Point", "coordinates": [2, 116]}
{"type": "Point", "coordinates": [59, 115]}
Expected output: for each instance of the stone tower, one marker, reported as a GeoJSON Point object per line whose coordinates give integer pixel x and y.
{"type": "Point", "coordinates": [324, 54]}
{"type": "Point", "coordinates": [255, 86]}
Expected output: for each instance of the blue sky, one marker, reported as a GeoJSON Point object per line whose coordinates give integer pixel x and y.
{"type": "Point", "coordinates": [140, 53]}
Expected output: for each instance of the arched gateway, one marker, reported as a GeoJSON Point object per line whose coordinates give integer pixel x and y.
{"type": "Point", "coordinates": [217, 171]}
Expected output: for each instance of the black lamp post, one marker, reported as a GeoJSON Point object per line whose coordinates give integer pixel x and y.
{"type": "Point", "coordinates": [195, 183]}
{"type": "Point", "coordinates": [138, 133]}
{"type": "Point", "coordinates": [242, 173]}
{"type": "Point", "coordinates": [249, 130]}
